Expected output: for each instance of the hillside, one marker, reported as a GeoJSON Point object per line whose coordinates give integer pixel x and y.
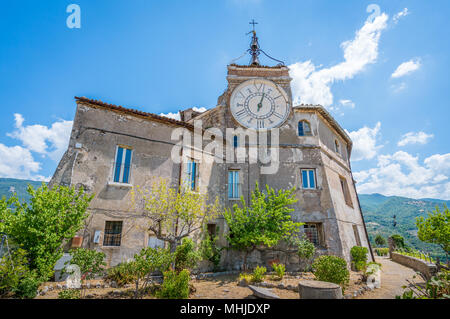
{"type": "Point", "coordinates": [7, 185]}
{"type": "Point", "coordinates": [379, 210]}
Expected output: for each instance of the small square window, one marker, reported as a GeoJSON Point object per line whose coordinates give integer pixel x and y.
{"type": "Point", "coordinates": [312, 233]}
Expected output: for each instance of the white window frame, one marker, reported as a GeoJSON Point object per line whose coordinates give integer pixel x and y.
{"type": "Point", "coordinates": [308, 181]}
{"type": "Point", "coordinates": [122, 165]}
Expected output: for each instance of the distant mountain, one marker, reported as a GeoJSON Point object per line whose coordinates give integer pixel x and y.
{"type": "Point", "coordinates": [10, 185]}
{"type": "Point", "coordinates": [378, 211]}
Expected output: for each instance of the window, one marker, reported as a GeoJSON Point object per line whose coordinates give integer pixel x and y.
{"type": "Point", "coordinates": [308, 179]}
{"type": "Point", "coordinates": [212, 230]}
{"type": "Point", "coordinates": [304, 128]}
{"type": "Point", "coordinates": [122, 165]}
{"type": "Point", "coordinates": [357, 238]}
{"type": "Point", "coordinates": [113, 233]}
{"type": "Point", "coordinates": [337, 147]}
{"type": "Point", "coordinates": [192, 174]}
{"type": "Point", "coordinates": [235, 141]}
{"type": "Point", "coordinates": [312, 232]}
{"type": "Point", "coordinates": [345, 191]}
{"type": "Point", "coordinates": [233, 184]}
{"type": "Point", "coordinates": [154, 242]}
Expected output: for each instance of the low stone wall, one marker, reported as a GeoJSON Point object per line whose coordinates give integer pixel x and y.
{"type": "Point", "coordinates": [426, 268]}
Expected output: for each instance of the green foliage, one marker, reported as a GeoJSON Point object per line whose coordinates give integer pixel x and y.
{"type": "Point", "coordinates": [305, 248]}
{"type": "Point", "coordinates": [175, 285]}
{"type": "Point", "coordinates": [279, 269]}
{"type": "Point", "coordinates": [416, 254]}
{"type": "Point", "coordinates": [382, 251]}
{"type": "Point", "coordinates": [331, 269]}
{"type": "Point", "coordinates": [186, 257]}
{"type": "Point", "coordinates": [41, 227]}
{"type": "Point", "coordinates": [438, 287]}
{"type": "Point", "coordinates": [246, 277]}
{"type": "Point", "coordinates": [266, 221]}
{"type": "Point", "coordinates": [91, 262]}
{"type": "Point", "coordinates": [359, 257]}
{"type": "Point", "coordinates": [69, 294]}
{"type": "Point", "coordinates": [435, 228]}
{"type": "Point", "coordinates": [209, 250]}
{"type": "Point", "coordinates": [122, 274]}
{"type": "Point", "coordinates": [380, 240]}
{"type": "Point", "coordinates": [15, 276]}
{"type": "Point", "coordinates": [399, 241]}
{"type": "Point", "coordinates": [258, 274]}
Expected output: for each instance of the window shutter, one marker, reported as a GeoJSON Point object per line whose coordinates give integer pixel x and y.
{"type": "Point", "coordinates": [300, 129]}
{"type": "Point", "coordinates": [118, 164]}
{"type": "Point", "coordinates": [305, 178]}
{"type": "Point", "coordinates": [127, 166]}
{"type": "Point", "coordinates": [312, 181]}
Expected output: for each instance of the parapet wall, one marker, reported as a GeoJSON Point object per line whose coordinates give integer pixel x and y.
{"type": "Point", "coordinates": [426, 268]}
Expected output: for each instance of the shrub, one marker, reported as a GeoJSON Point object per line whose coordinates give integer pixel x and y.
{"type": "Point", "coordinates": [382, 251]}
{"type": "Point", "coordinates": [306, 249]}
{"type": "Point", "coordinates": [209, 250]}
{"type": "Point", "coordinates": [359, 257]}
{"type": "Point", "coordinates": [186, 257]}
{"type": "Point", "coordinates": [331, 269]}
{"type": "Point", "coordinates": [28, 286]}
{"type": "Point", "coordinates": [122, 274]}
{"type": "Point", "coordinates": [258, 274]}
{"type": "Point", "coordinates": [91, 262]}
{"type": "Point", "coordinates": [246, 277]}
{"type": "Point", "coordinates": [438, 287]}
{"type": "Point", "coordinates": [279, 269]}
{"type": "Point", "coordinates": [69, 294]}
{"type": "Point", "coordinates": [399, 241]}
{"type": "Point", "coordinates": [380, 240]}
{"type": "Point", "coordinates": [175, 285]}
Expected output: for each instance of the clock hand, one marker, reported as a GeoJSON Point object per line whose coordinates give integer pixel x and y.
{"type": "Point", "coordinates": [260, 102]}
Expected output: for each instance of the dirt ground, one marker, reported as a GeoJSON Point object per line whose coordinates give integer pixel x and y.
{"type": "Point", "coordinates": [221, 287]}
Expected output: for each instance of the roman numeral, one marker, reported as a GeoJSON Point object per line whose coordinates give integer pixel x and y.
{"type": "Point", "coordinates": [277, 97]}
{"type": "Point", "coordinates": [249, 91]}
{"type": "Point", "coordinates": [259, 88]}
{"type": "Point", "coordinates": [260, 123]}
{"type": "Point", "coordinates": [240, 113]}
{"type": "Point", "coordinates": [278, 115]}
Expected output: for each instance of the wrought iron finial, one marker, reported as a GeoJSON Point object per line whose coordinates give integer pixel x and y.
{"type": "Point", "coordinates": [253, 22]}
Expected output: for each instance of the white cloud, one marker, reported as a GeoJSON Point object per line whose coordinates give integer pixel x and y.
{"type": "Point", "coordinates": [311, 85]}
{"type": "Point", "coordinates": [406, 68]}
{"type": "Point", "coordinates": [397, 88]}
{"type": "Point", "coordinates": [365, 142]}
{"type": "Point", "coordinates": [176, 116]}
{"type": "Point", "coordinates": [402, 174]}
{"type": "Point", "coordinates": [17, 162]}
{"type": "Point", "coordinates": [400, 15]}
{"type": "Point", "coordinates": [47, 141]}
{"type": "Point", "coordinates": [415, 138]}
{"type": "Point", "coordinates": [347, 103]}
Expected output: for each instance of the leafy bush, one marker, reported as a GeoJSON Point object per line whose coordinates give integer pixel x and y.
{"type": "Point", "coordinates": [209, 250]}
{"type": "Point", "coordinates": [186, 257]}
{"type": "Point", "coordinates": [306, 249]}
{"type": "Point", "coordinates": [69, 294]}
{"type": "Point", "coordinates": [28, 285]}
{"type": "Point", "coordinates": [399, 241]}
{"type": "Point", "coordinates": [91, 262]}
{"type": "Point", "coordinates": [380, 240]}
{"type": "Point", "coordinates": [246, 277]}
{"type": "Point", "coordinates": [382, 251]}
{"type": "Point", "coordinates": [279, 269]}
{"type": "Point", "coordinates": [331, 269]}
{"type": "Point", "coordinates": [258, 274]}
{"type": "Point", "coordinates": [438, 287]}
{"type": "Point", "coordinates": [15, 276]}
{"type": "Point", "coordinates": [122, 274]}
{"type": "Point", "coordinates": [175, 285]}
{"type": "Point", "coordinates": [359, 257]}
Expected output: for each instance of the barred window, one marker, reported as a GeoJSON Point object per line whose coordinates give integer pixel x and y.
{"type": "Point", "coordinates": [113, 233]}
{"type": "Point", "coordinates": [312, 233]}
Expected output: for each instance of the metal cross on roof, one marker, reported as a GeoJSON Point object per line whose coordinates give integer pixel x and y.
{"type": "Point", "coordinates": [253, 22]}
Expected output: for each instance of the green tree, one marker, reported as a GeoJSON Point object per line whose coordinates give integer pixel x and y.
{"type": "Point", "coordinates": [380, 240]}
{"type": "Point", "coordinates": [41, 227]}
{"type": "Point", "coordinates": [174, 214]}
{"type": "Point", "coordinates": [435, 228]}
{"type": "Point", "coordinates": [266, 221]}
{"type": "Point", "coordinates": [186, 256]}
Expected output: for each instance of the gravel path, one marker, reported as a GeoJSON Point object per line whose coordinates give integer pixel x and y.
{"type": "Point", "coordinates": [393, 278]}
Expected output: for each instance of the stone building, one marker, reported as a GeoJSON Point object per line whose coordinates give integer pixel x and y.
{"type": "Point", "coordinates": [113, 148]}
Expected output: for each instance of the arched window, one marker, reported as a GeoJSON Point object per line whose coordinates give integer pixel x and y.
{"type": "Point", "coordinates": [304, 128]}
{"type": "Point", "coordinates": [337, 147]}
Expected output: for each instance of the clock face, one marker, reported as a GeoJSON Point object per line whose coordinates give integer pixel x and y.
{"type": "Point", "coordinates": [259, 104]}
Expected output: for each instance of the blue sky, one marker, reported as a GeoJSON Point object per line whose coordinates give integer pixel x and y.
{"type": "Point", "coordinates": [384, 78]}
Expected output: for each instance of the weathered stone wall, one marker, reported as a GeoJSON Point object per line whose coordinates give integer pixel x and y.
{"type": "Point", "coordinates": [426, 268]}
